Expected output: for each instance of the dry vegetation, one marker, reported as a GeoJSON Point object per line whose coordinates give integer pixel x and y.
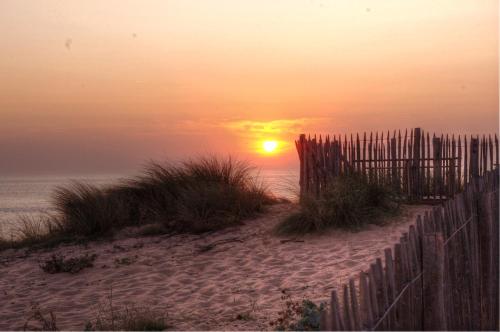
{"type": "Point", "coordinates": [57, 263]}
{"type": "Point", "coordinates": [349, 202]}
{"type": "Point", "coordinates": [195, 196]}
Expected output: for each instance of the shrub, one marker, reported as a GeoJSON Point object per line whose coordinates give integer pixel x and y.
{"type": "Point", "coordinates": [298, 316]}
{"type": "Point", "coordinates": [347, 202]}
{"type": "Point", "coordinates": [58, 264]}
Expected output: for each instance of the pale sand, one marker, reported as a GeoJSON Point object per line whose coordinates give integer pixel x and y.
{"type": "Point", "coordinates": [198, 290]}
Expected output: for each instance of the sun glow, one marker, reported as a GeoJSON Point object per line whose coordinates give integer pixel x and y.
{"type": "Point", "coordinates": [270, 146]}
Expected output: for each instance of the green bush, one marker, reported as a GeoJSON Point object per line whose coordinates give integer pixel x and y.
{"type": "Point", "coordinates": [348, 202]}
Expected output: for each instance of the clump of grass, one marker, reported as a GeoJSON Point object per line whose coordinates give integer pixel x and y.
{"type": "Point", "coordinates": [129, 319]}
{"type": "Point", "coordinates": [302, 315]}
{"type": "Point", "coordinates": [38, 321]}
{"type": "Point", "coordinates": [57, 263]}
{"type": "Point", "coordinates": [124, 261]}
{"type": "Point", "coordinates": [348, 202]}
{"type": "Point", "coordinates": [111, 317]}
{"type": "Point", "coordinates": [198, 195]}
{"type": "Point", "coordinates": [87, 210]}
{"type": "Point", "coordinates": [43, 231]}
{"type": "Point", "coordinates": [195, 196]}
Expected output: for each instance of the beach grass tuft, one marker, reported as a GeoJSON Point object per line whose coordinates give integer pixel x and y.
{"type": "Point", "coordinates": [349, 202]}
{"type": "Point", "coordinates": [59, 264]}
{"type": "Point", "coordinates": [194, 196]}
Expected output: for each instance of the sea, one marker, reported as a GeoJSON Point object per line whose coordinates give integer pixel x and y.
{"type": "Point", "coordinates": [31, 196]}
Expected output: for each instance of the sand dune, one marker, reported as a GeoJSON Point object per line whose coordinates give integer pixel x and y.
{"type": "Point", "coordinates": [199, 286]}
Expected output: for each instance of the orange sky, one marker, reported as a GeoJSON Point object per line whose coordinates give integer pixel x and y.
{"type": "Point", "coordinates": [91, 86]}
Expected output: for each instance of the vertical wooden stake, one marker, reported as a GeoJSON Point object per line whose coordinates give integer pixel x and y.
{"type": "Point", "coordinates": [433, 277]}
{"type": "Point", "coordinates": [474, 157]}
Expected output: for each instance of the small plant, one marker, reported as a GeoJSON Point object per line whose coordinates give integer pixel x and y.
{"type": "Point", "coordinates": [58, 264]}
{"type": "Point", "coordinates": [244, 316]}
{"type": "Point", "coordinates": [126, 318]}
{"type": "Point", "coordinates": [124, 261]}
{"type": "Point", "coordinates": [298, 316]}
{"type": "Point", "coordinates": [247, 315]}
{"type": "Point", "coordinates": [41, 321]}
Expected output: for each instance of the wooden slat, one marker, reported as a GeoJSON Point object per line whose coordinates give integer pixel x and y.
{"type": "Point", "coordinates": [433, 297]}
{"type": "Point", "coordinates": [486, 220]}
{"type": "Point", "coordinates": [365, 302]}
{"type": "Point", "coordinates": [394, 170]}
{"type": "Point", "coordinates": [370, 155]}
{"type": "Point", "coordinates": [436, 143]}
{"type": "Point", "coordinates": [348, 316]}
{"type": "Point", "coordinates": [496, 150]}
{"type": "Point", "coordinates": [453, 186]}
{"type": "Point", "coordinates": [391, 287]}
{"type": "Point", "coordinates": [388, 163]}
{"type": "Point", "coordinates": [355, 306]}
{"type": "Point", "coordinates": [422, 168]}
{"type": "Point", "coordinates": [429, 190]}
{"type": "Point", "coordinates": [466, 161]}
{"type": "Point", "coordinates": [358, 152]}
{"type": "Point", "coordinates": [459, 169]}
{"type": "Point", "coordinates": [474, 157]}
{"type": "Point", "coordinates": [364, 154]}
{"type": "Point", "coordinates": [375, 158]}
{"type": "Point", "coordinates": [336, 319]}
{"type": "Point", "coordinates": [399, 157]}
{"type": "Point", "coordinates": [490, 147]}
{"type": "Point", "coordinates": [405, 165]}
{"type": "Point", "coordinates": [373, 296]}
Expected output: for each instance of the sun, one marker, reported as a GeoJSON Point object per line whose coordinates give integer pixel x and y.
{"type": "Point", "coordinates": [269, 146]}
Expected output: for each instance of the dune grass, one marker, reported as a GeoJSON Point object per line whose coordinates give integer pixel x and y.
{"type": "Point", "coordinates": [348, 203]}
{"type": "Point", "coordinates": [194, 196]}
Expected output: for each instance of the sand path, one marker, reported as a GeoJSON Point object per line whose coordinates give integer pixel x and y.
{"type": "Point", "coordinates": [198, 289]}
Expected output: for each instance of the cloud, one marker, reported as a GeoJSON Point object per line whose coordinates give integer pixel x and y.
{"type": "Point", "coordinates": [282, 128]}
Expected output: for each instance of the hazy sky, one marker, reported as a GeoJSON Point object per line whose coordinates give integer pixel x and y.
{"type": "Point", "coordinates": [91, 86]}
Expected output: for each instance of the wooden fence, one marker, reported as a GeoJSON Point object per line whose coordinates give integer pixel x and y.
{"type": "Point", "coordinates": [417, 165]}
{"type": "Point", "coordinates": [442, 275]}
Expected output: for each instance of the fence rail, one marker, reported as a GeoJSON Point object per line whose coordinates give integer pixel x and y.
{"type": "Point", "coordinates": [418, 166]}
{"type": "Point", "coordinates": [442, 275]}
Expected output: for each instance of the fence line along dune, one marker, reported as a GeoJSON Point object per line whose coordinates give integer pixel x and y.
{"type": "Point", "coordinates": [419, 166]}
{"type": "Point", "coordinates": [442, 275]}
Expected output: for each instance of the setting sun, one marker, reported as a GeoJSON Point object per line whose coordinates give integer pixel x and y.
{"type": "Point", "coordinates": [270, 146]}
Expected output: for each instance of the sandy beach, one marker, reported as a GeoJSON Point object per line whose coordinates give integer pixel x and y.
{"type": "Point", "coordinates": [201, 282]}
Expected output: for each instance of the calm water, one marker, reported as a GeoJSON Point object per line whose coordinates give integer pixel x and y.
{"type": "Point", "coordinates": [32, 195]}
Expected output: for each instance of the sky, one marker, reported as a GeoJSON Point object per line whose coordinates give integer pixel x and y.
{"type": "Point", "coordinates": [103, 86]}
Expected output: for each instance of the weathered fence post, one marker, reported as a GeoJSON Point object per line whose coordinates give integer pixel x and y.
{"type": "Point", "coordinates": [436, 145]}
{"type": "Point", "coordinates": [488, 274]}
{"type": "Point", "coordinates": [300, 149]}
{"type": "Point", "coordinates": [474, 157]}
{"type": "Point", "coordinates": [433, 277]}
{"type": "Point", "coordinates": [415, 166]}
